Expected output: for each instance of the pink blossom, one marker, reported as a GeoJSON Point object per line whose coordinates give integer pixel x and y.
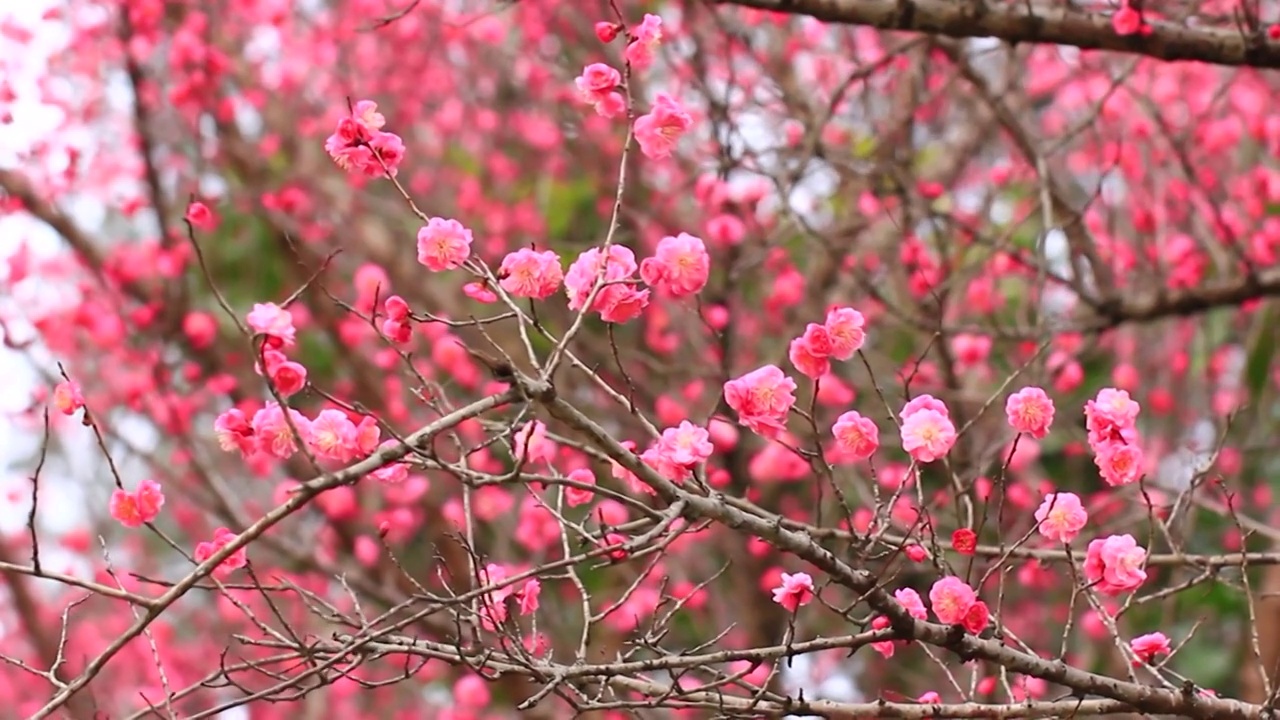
{"type": "Point", "coordinates": [1126, 21]}
{"type": "Point", "coordinates": [273, 321]}
{"type": "Point", "coordinates": [1030, 411]}
{"type": "Point", "coordinates": [1061, 517]}
{"type": "Point", "coordinates": [532, 444]}
{"type": "Point", "coordinates": [200, 216]}
{"type": "Point", "coordinates": [576, 496]}
{"type": "Point", "coordinates": [856, 435]}
{"type": "Point", "coordinates": [794, 591]}
{"type": "Point", "coordinates": [845, 331]}
{"type": "Point", "coordinates": [912, 603]}
{"type": "Point", "coordinates": [884, 647]}
{"type": "Point", "coordinates": [625, 306]}
{"type": "Point", "coordinates": [645, 39]}
{"type": "Point", "coordinates": [480, 292]}
{"type": "Point", "coordinates": [528, 596]}
{"type": "Point", "coordinates": [597, 86]}
{"type": "Point", "coordinates": [977, 617]}
{"type": "Point", "coordinates": [531, 274]}
{"type": "Point", "coordinates": [138, 507]}
{"type": "Point", "coordinates": [810, 352]}
{"type": "Point", "coordinates": [606, 32]}
{"type": "Point", "coordinates": [1119, 464]}
{"type": "Point", "coordinates": [443, 244]}
{"type": "Point", "coordinates": [686, 445]}
{"type": "Point", "coordinates": [366, 113]}
{"type": "Point", "coordinates": [656, 458]}
{"type": "Point", "coordinates": [951, 599]}
{"type": "Point", "coordinates": [397, 331]}
{"type": "Point", "coordinates": [680, 266]}
{"type": "Point", "coordinates": [396, 308]}
{"type": "Point", "coordinates": [391, 473]}
{"type": "Point", "coordinates": [67, 397]}
{"type": "Point", "coordinates": [927, 434]}
{"type": "Point", "coordinates": [387, 152]}
{"type": "Point", "coordinates": [762, 398]}
{"type": "Point", "coordinates": [660, 129]}
{"type": "Point", "coordinates": [234, 432]}
{"type": "Point", "coordinates": [288, 377]}
{"type": "Point", "coordinates": [493, 610]}
{"type": "Point", "coordinates": [367, 435]}
{"type": "Point", "coordinates": [1148, 646]}
{"type": "Point", "coordinates": [924, 402]}
{"type": "Point", "coordinates": [616, 301]}
{"type": "Point", "coordinates": [1111, 417]}
{"type": "Point", "coordinates": [358, 144]}
{"type": "Point", "coordinates": [1114, 564]}
{"type": "Point", "coordinates": [221, 538]}
{"type": "Point", "coordinates": [333, 436]}
{"type": "Point", "coordinates": [273, 433]}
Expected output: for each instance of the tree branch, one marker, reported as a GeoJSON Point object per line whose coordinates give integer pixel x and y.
{"type": "Point", "coordinates": [1036, 24]}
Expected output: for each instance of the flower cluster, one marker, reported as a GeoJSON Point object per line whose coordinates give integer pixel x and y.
{"type": "Point", "coordinates": [134, 509]}
{"type": "Point", "coordinates": [360, 145]}
{"type": "Point", "coordinates": [1111, 419]}
{"type": "Point", "coordinates": [616, 300]}
{"type": "Point", "coordinates": [274, 431]}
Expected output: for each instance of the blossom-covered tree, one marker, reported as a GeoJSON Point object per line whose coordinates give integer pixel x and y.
{"type": "Point", "coordinates": [754, 358]}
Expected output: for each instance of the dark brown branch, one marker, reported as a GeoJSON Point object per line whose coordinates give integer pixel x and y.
{"type": "Point", "coordinates": [1030, 23]}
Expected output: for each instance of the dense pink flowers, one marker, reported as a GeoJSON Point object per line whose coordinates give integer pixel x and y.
{"type": "Point", "coordinates": [660, 129]}
{"type": "Point", "coordinates": [1030, 411]}
{"type": "Point", "coordinates": [273, 321]}
{"type": "Point", "coordinates": [443, 244]}
{"type": "Point", "coordinates": [794, 591]}
{"type": "Point", "coordinates": [762, 398]}
{"type": "Point", "coordinates": [138, 507]}
{"type": "Point", "coordinates": [359, 144]}
{"type": "Point", "coordinates": [1114, 564]}
{"type": "Point", "coordinates": [856, 436]}
{"type": "Point", "coordinates": [530, 273]}
{"type": "Point", "coordinates": [221, 538]}
{"type": "Point", "coordinates": [597, 86]}
{"type": "Point", "coordinates": [1147, 647]}
{"type": "Point", "coordinates": [927, 431]}
{"type": "Point", "coordinates": [680, 266]}
{"type": "Point", "coordinates": [617, 301]}
{"type": "Point", "coordinates": [1061, 517]}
